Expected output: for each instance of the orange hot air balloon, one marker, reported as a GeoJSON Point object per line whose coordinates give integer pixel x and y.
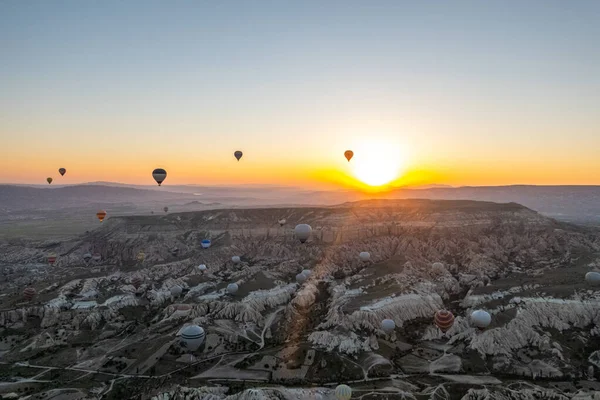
{"type": "Point", "coordinates": [101, 214]}
{"type": "Point", "coordinates": [29, 293]}
{"type": "Point", "coordinates": [51, 259]}
{"type": "Point", "coordinates": [49, 180]}
{"type": "Point", "coordinates": [348, 154]}
{"type": "Point", "coordinates": [62, 171]}
{"type": "Point", "coordinates": [444, 319]}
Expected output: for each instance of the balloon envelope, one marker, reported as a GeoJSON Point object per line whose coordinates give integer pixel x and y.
{"type": "Point", "coordinates": [235, 259]}
{"type": "Point", "coordinates": [49, 180]}
{"type": "Point", "coordinates": [481, 319]}
{"type": "Point", "coordinates": [62, 171]}
{"type": "Point", "coordinates": [238, 154]}
{"type": "Point", "coordinates": [29, 293]}
{"type": "Point", "coordinates": [437, 265]}
{"type": "Point", "coordinates": [51, 259]}
{"type": "Point", "coordinates": [388, 325]}
{"type": "Point", "coordinates": [365, 256]}
{"type": "Point", "coordinates": [101, 215]}
{"type": "Point", "coordinates": [444, 320]}
{"type": "Point", "coordinates": [192, 337]}
{"type": "Point", "coordinates": [348, 154]}
{"type": "Point", "coordinates": [303, 232]}
{"type": "Point", "coordinates": [307, 272]}
{"type": "Point", "coordinates": [87, 257]}
{"type": "Point", "coordinates": [202, 267]}
{"type": "Point", "coordinates": [165, 209]}
{"type": "Point", "coordinates": [301, 278]}
{"type": "Point", "coordinates": [282, 222]}
{"type": "Point", "coordinates": [136, 281]}
{"type": "Point", "coordinates": [232, 288]}
{"type": "Point", "coordinates": [593, 277]}
{"type": "Point", "coordinates": [176, 290]}
{"type": "Point", "coordinates": [97, 257]}
{"type": "Point", "coordinates": [205, 243]}
{"type": "Point", "coordinates": [159, 175]}
{"type": "Point", "coordinates": [343, 392]}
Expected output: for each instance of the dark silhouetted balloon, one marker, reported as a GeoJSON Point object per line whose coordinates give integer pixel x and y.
{"type": "Point", "coordinates": [101, 215]}
{"type": "Point", "coordinates": [238, 154]}
{"type": "Point", "coordinates": [348, 154]}
{"type": "Point", "coordinates": [62, 171]}
{"type": "Point", "coordinates": [159, 175]}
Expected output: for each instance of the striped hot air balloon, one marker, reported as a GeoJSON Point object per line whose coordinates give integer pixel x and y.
{"type": "Point", "coordinates": [136, 281]}
{"type": "Point", "coordinates": [101, 215]}
{"type": "Point", "coordinates": [444, 320]}
{"type": "Point", "coordinates": [29, 293]}
{"type": "Point", "coordinates": [343, 392]}
{"type": "Point", "coordinates": [51, 259]}
{"type": "Point", "coordinates": [159, 175]}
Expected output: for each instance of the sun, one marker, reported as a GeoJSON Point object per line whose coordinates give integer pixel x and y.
{"type": "Point", "coordinates": [377, 163]}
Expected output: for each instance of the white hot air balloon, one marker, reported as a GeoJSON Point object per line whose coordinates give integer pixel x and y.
{"type": "Point", "coordinates": [388, 326]}
{"type": "Point", "coordinates": [282, 222]}
{"type": "Point", "coordinates": [593, 278]}
{"type": "Point", "coordinates": [235, 259]}
{"type": "Point", "coordinates": [481, 319]}
{"type": "Point", "coordinates": [176, 291]}
{"type": "Point", "coordinates": [303, 232]}
{"type": "Point", "coordinates": [301, 278]}
{"type": "Point", "coordinates": [343, 392]}
{"type": "Point", "coordinates": [364, 256]}
{"type": "Point", "coordinates": [307, 272]}
{"type": "Point", "coordinates": [232, 288]}
{"type": "Point", "coordinates": [192, 337]}
{"type": "Point", "coordinates": [437, 265]}
{"type": "Point", "coordinates": [202, 267]}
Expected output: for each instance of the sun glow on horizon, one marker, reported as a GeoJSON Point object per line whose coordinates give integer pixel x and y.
{"type": "Point", "coordinates": [377, 163]}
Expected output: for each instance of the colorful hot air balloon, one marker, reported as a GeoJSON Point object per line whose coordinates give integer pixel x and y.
{"type": "Point", "coordinates": [205, 243]}
{"type": "Point", "coordinates": [49, 180]}
{"type": "Point", "coordinates": [348, 154]}
{"type": "Point", "coordinates": [136, 281]}
{"type": "Point", "coordinates": [51, 258]}
{"type": "Point", "coordinates": [101, 215]}
{"type": "Point", "coordinates": [29, 293]}
{"type": "Point", "coordinates": [159, 175]}
{"type": "Point", "coordinates": [481, 319]}
{"type": "Point", "coordinates": [388, 325]}
{"type": "Point", "coordinates": [593, 278]}
{"type": "Point", "coordinates": [236, 259]}
{"type": "Point", "coordinates": [165, 209]}
{"type": "Point", "coordinates": [192, 337]}
{"type": "Point", "coordinates": [444, 320]}
{"type": "Point", "coordinates": [343, 392]}
{"type": "Point", "coordinates": [238, 154]}
{"type": "Point", "coordinates": [232, 288]}
{"type": "Point", "coordinates": [62, 171]}
{"type": "Point", "coordinates": [303, 232]}
{"type": "Point", "coordinates": [364, 256]}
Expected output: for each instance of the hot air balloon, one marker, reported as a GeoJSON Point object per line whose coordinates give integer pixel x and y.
{"type": "Point", "coordinates": [388, 326]}
{"type": "Point", "coordinates": [101, 215]}
{"type": "Point", "coordinates": [303, 232]}
{"type": "Point", "coordinates": [202, 267]}
{"type": "Point", "coordinates": [364, 256]}
{"type": "Point", "coordinates": [192, 337]}
{"type": "Point", "coordinates": [205, 243]}
{"type": "Point", "coordinates": [49, 180]}
{"type": "Point", "coordinates": [97, 257]}
{"type": "Point", "coordinates": [87, 257]}
{"type": "Point", "coordinates": [176, 291]}
{"type": "Point", "coordinates": [175, 251]}
{"type": "Point", "coordinates": [62, 171]}
{"type": "Point", "coordinates": [141, 256]}
{"type": "Point", "coordinates": [307, 272]}
{"type": "Point", "coordinates": [232, 288]}
{"type": "Point", "coordinates": [437, 265]}
{"type": "Point", "coordinates": [159, 175]}
{"type": "Point", "coordinates": [282, 222]}
{"type": "Point", "coordinates": [348, 154]}
{"type": "Point", "coordinates": [235, 259]}
{"type": "Point", "coordinates": [481, 319]}
{"type": "Point", "coordinates": [51, 258]}
{"type": "Point", "coordinates": [29, 293]}
{"type": "Point", "coordinates": [136, 281]}
{"type": "Point", "coordinates": [343, 392]}
{"type": "Point", "coordinates": [238, 154]}
{"type": "Point", "coordinates": [301, 278]}
{"type": "Point", "coordinates": [593, 278]}
{"type": "Point", "coordinates": [165, 209]}
{"type": "Point", "coordinates": [444, 320]}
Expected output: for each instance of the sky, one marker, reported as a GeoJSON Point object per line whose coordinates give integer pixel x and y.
{"type": "Point", "coordinates": [456, 93]}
